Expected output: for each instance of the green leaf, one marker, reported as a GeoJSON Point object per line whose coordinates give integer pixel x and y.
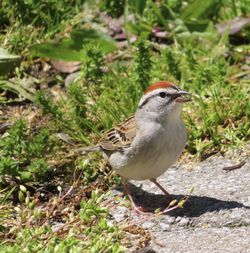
{"type": "Point", "coordinates": [172, 203]}
{"type": "Point", "coordinates": [191, 190]}
{"type": "Point", "coordinates": [200, 26]}
{"type": "Point", "coordinates": [199, 9]}
{"type": "Point", "coordinates": [23, 87]}
{"type": "Point", "coordinates": [68, 49]}
{"type": "Point", "coordinates": [26, 175]}
{"type": "Point", "coordinates": [8, 62]}
{"type": "Point", "coordinates": [138, 5]}
{"type": "Point", "coordinates": [141, 28]}
{"type": "Point", "coordinates": [7, 195]}
{"type": "Point", "coordinates": [56, 51]}
{"type": "Point", "coordinates": [84, 36]}
{"type": "Point", "coordinates": [157, 12]}
{"type": "Point", "coordinates": [181, 203]}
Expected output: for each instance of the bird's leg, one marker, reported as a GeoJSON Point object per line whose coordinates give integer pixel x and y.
{"type": "Point", "coordinates": [134, 206]}
{"type": "Point", "coordinates": [160, 187]}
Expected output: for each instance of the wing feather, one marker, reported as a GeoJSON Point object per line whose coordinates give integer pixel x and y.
{"type": "Point", "coordinates": [119, 136]}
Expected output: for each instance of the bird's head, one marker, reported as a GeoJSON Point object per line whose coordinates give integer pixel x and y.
{"type": "Point", "coordinates": [163, 98]}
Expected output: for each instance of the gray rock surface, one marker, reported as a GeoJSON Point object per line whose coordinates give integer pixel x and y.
{"type": "Point", "coordinates": [216, 218]}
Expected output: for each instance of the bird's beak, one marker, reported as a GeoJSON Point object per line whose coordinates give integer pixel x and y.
{"type": "Point", "coordinates": [181, 97]}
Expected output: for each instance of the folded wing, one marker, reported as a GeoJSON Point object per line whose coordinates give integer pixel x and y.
{"type": "Point", "coordinates": [120, 136]}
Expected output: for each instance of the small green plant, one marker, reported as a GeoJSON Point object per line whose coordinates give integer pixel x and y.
{"type": "Point", "coordinates": [84, 230]}
{"type": "Point", "coordinates": [114, 8]}
{"type": "Point", "coordinates": [22, 157]}
{"type": "Point", "coordinates": [24, 23]}
{"type": "Point", "coordinates": [143, 64]}
{"type": "Point", "coordinates": [173, 63]}
{"type": "Point", "coordinates": [48, 14]}
{"type": "Point", "coordinates": [78, 99]}
{"type": "Point", "coordinates": [92, 59]}
{"type": "Point", "coordinates": [48, 106]}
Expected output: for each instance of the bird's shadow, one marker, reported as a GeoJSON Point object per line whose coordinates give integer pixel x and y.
{"type": "Point", "coordinates": [194, 207]}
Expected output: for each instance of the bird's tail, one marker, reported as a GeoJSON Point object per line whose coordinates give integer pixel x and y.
{"type": "Point", "coordinates": [89, 149]}
{"type": "Point", "coordinates": [64, 137]}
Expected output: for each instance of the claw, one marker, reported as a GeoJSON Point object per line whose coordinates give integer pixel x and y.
{"type": "Point", "coordinates": [137, 209]}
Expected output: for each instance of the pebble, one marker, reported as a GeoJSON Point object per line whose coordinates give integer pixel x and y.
{"type": "Point", "coordinates": [71, 78]}
{"type": "Point", "coordinates": [57, 225]}
{"type": "Point", "coordinates": [171, 220]}
{"type": "Point", "coordinates": [119, 217]}
{"type": "Point", "coordinates": [147, 224]}
{"type": "Point", "coordinates": [178, 219]}
{"type": "Point", "coordinates": [164, 226]}
{"type": "Point", "coordinates": [184, 222]}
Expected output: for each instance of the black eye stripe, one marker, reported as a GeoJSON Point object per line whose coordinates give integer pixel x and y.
{"type": "Point", "coordinates": [162, 94]}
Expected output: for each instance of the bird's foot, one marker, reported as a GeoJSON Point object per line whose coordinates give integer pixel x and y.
{"type": "Point", "coordinates": [140, 209]}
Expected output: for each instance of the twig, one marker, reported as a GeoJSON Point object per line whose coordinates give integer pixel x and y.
{"type": "Point", "coordinates": [178, 205]}
{"type": "Point", "coordinates": [234, 167]}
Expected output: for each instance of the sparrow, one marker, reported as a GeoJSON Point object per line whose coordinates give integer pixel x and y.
{"type": "Point", "coordinates": [146, 144]}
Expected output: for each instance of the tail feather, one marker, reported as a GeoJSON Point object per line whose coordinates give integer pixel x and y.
{"type": "Point", "coordinates": [64, 137]}
{"type": "Point", "coordinates": [89, 149]}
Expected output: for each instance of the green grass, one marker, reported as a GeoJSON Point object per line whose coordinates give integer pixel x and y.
{"type": "Point", "coordinates": [34, 160]}
{"type": "Point", "coordinates": [27, 22]}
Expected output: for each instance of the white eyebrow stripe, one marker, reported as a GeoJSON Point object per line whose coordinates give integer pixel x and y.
{"type": "Point", "coordinates": [147, 96]}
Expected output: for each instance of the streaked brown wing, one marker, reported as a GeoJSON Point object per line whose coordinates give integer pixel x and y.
{"type": "Point", "coordinates": [120, 136]}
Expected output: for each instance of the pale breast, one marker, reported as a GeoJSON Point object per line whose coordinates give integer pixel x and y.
{"type": "Point", "coordinates": [153, 156]}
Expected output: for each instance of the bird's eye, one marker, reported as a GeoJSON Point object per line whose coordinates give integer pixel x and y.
{"type": "Point", "coordinates": [162, 94]}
